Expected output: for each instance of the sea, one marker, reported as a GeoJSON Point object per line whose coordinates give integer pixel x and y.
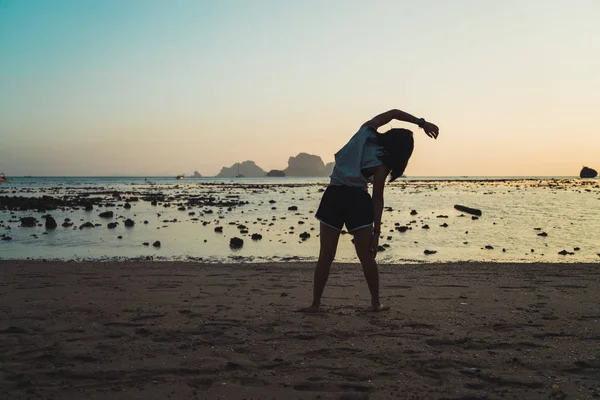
{"type": "Point", "coordinates": [523, 219]}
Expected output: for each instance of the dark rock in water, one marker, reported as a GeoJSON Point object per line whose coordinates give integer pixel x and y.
{"type": "Point", "coordinates": [576, 248]}
{"type": "Point", "coordinates": [565, 252]}
{"type": "Point", "coordinates": [182, 208]}
{"type": "Point", "coordinates": [588, 173]}
{"type": "Point", "coordinates": [256, 236]}
{"type": "Point", "coordinates": [129, 223]}
{"type": "Point", "coordinates": [156, 244]}
{"type": "Point", "coordinates": [219, 229]}
{"type": "Point", "coordinates": [67, 224]}
{"type": "Point", "coordinates": [380, 248]}
{"type": "Point", "coordinates": [293, 208]}
{"type": "Point", "coordinates": [544, 234]}
{"type": "Point", "coordinates": [154, 202]}
{"type": "Point", "coordinates": [275, 173]}
{"type": "Point", "coordinates": [489, 247]}
{"type": "Point", "coordinates": [146, 244]}
{"type": "Point", "coordinates": [425, 226]}
{"type": "Point", "coordinates": [86, 225]}
{"type": "Point", "coordinates": [402, 228]}
{"type": "Point", "coordinates": [272, 201]}
{"type": "Point", "coordinates": [444, 225]}
{"type": "Point", "coordinates": [119, 237]}
{"type": "Point", "coordinates": [106, 214]}
{"type": "Point", "coordinates": [89, 207]}
{"type": "Point", "coordinates": [28, 222]}
{"type": "Point", "coordinates": [236, 243]}
{"type": "Point", "coordinates": [468, 210]}
{"type": "Point", "coordinates": [413, 212]}
{"type": "Point", "coordinates": [50, 222]}
{"type": "Point", "coordinates": [127, 206]}
{"type": "Point", "coordinates": [428, 252]}
{"type": "Point", "coordinates": [112, 225]}
{"type": "Point", "coordinates": [474, 218]}
{"type": "Point", "coordinates": [304, 235]}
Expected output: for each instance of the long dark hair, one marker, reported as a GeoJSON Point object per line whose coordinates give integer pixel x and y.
{"type": "Point", "coordinates": [398, 145]}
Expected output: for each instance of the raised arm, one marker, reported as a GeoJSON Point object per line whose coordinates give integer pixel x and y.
{"type": "Point", "coordinates": [430, 129]}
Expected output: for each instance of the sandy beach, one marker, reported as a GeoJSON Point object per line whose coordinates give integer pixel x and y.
{"type": "Point", "coordinates": [137, 330]}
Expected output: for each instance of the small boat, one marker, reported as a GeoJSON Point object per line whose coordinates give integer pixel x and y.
{"type": "Point", "coordinates": [3, 178]}
{"type": "Point", "coordinates": [180, 177]}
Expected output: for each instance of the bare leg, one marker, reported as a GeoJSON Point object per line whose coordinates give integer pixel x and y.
{"type": "Point", "coordinates": [362, 244]}
{"type": "Point", "coordinates": [329, 241]}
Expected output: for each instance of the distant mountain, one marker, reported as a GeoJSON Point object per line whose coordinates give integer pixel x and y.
{"type": "Point", "coordinates": [306, 165]}
{"type": "Point", "coordinates": [248, 169]}
{"type": "Point", "coordinates": [329, 168]}
{"type": "Point", "coordinates": [196, 175]}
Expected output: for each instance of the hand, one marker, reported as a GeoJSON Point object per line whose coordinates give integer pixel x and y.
{"type": "Point", "coordinates": [431, 130]}
{"type": "Point", "coordinates": [374, 244]}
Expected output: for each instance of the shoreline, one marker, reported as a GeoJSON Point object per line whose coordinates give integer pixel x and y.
{"type": "Point", "coordinates": [155, 330]}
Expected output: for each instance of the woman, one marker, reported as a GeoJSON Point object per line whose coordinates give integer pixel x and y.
{"type": "Point", "coordinates": [367, 157]}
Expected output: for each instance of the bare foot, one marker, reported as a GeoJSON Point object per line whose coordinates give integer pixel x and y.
{"type": "Point", "coordinates": [379, 307]}
{"type": "Point", "coordinates": [313, 309]}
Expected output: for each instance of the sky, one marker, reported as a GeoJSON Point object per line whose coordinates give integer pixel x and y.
{"type": "Point", "coordinates": [158, 88]}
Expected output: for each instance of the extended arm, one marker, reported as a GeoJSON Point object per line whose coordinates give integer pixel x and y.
{"type": "Point", "coordinates": [430, 129]}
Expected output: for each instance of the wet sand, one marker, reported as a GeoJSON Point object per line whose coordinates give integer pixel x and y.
{"type": "Point", "coordinates": [143, 330]}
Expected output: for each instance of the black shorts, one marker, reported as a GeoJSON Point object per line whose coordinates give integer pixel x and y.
{"type": "Point", "coordinates": [345, 205]}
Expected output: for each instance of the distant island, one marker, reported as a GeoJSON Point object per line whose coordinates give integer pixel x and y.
{"type": "Point", "coordinates": [276, 173]}
{"type": "Point", "coordinates": [304, 164]}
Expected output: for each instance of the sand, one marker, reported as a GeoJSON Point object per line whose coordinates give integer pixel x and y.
{"type": "Point", "coordinates": [137, 330]}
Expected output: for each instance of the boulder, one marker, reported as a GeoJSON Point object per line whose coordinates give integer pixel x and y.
{"type": "Point", "coordinates": [106, 214]}
{"type": "Point", "coordinates": [156, 244]}
{"type": "Point", "coordinates": [588, 173]}
{"type": "Point", "coordinates": [129, 223]}
{"type": "Point", "coordinates": [112, 225]}
{"type": "Point", "coordinates": [236, 243]}
{"type": "Point", "coordinates": [304, 235]}
{"type": "Point", "coordinates": [50, 222]}
{"type": "Point", "coordinates": [28, 222]}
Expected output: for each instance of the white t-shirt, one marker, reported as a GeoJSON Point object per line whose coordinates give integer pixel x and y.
{"type": "Point", "coordinates": [362, 151]}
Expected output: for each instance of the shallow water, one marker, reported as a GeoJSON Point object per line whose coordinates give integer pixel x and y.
{"type": "Point", "coordinates": [565, 209]}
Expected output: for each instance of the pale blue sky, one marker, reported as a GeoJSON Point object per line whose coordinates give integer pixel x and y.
{"type": "Point", "coordinates": [146, 87]}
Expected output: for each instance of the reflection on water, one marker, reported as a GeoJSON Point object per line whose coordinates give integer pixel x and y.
{"type": "Point", "coordinates": [516, 214]}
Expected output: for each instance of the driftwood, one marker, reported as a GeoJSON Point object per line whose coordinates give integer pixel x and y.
{"type": "Point", "coordinates": [468, 210]}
